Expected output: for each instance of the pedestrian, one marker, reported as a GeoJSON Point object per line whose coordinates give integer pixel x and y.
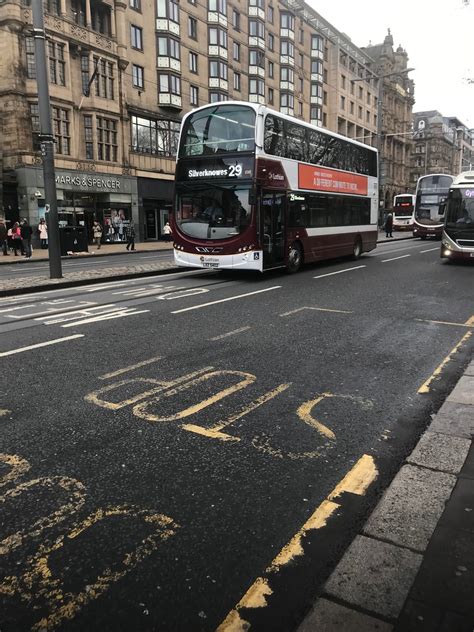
{"type": "Point", "coordinates": [3, 237]}
{"type": "Point", "coordinates": [26, 233]}
{"type": "Point", "coordinates": [389, 225]}
{"type": "Point", "coordinates": [97, 233]}
{"type": "Point", "coordinates": [167, 232]}
{"type": "Point", "coordinates": [130, 236]}
{"type": "Point", "coordinates": [16, 239]}
{"type": "Point", "coordinates": [43, 233]}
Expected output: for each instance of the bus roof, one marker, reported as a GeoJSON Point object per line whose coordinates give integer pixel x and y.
{"type": "Point", "coordinates": [466, 178]}
{"type": "Point", "coordinates": [263, 109]}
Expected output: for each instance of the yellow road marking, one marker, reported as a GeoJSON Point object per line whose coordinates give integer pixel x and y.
{"type": "Point", "coordinates": [4, 411]}
{"type": "Point", "coordinates": [318, 309]}
{"type": "Point", "coordinates": [425, 387]}
{"type": "Point", "coordinates": [304, 413]}
{"type": "Point", "coordinates": [18, 467]}
{"type": "Point", "coordinates": [356, 481]}
{"type": "Point", "coordinates": [215, 432]}
{"type": "Point", "coordinates": [129, 368]}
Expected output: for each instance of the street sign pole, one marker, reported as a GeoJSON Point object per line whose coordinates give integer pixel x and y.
{"type": "Point", "coordinates": [47, 140]}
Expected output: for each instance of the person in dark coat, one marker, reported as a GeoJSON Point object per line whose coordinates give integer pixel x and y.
{"type": "Point", "coordinates": [130, 236]}
{"type": "Point", "coordinates": [389, 225]}
{"type": "Point", "coordinates": [3, 237]}
{"type": "Point", "coordinates": [26, 234]}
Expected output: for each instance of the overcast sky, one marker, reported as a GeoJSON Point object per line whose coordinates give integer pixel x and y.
{"type": "Point", "coordinates": [438, 36]}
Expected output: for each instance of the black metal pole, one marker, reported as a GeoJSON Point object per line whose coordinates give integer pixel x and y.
{"type": "Point", "coordinates": [47, 140]}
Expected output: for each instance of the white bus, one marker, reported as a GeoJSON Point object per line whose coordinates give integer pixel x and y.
{"type": "Point", "coordinates": [403, 207]}
{"type": "Point", "coordinates": [458, 231]}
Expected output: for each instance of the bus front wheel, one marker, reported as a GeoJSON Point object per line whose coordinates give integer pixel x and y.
{"type": "Point", "coordinates": [295, 258]}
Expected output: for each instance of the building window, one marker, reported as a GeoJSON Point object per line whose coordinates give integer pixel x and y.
{"type": "Point", "coordinates": [342, 104]}
{"type": "Point", "coordinates": [316, 67]}
{"type": "Point", "coordinates": [351, 107]}
{"type": "Point", "coordinates": [256, 58]}
{"type": "Point", "coordinates": [270, 96]}
{"type": "Point", "coordinates": [287, 100]}
{"type": "Point", "coordinates": [360, 112]}
{"type": "Point", "coordinates": [237, 81]}
{"type": "Point", "coordinates": [257, 86]}
{"type": "Point", "coordinates": [256, 29]}
{"type": "Point", "coordinates": [217, 37]}
{"type": "Point", "coordinates": [218, 6]}
{"type": "Point", "coordinates": [53, 7]}
{"type": "Point", "coordinates": [89, 137]}
{"type": "Point", "coordinates": [301, 61]}
{"type": "Point", "coordinates": [136, 37]}
{"type": "Point", "coordinates": [236, 20]}
{"type": "Point", "coordinates": [194, 95]}
{"type": "Point", "coordinates": [287, 48]}
{"type": "Point", "coordinates": [78, 10]}
{"type": "Point", "coordinates": [286, 74]}
{"type": "Point", "coordinates": [317, 43]}
{"type": "Point", "coordinates": [236, 51]}
{"type": "Point", "coordinates": [61, 130]}
{"type": "Point", "coordinates": [35, 126]}
{"type": "Point", "coordinates": [57, 64]}
{"type": "Point", "coordinates": [361, 93]}
{"type": "Point", "coordinates": [136, 5]}
{"type": "Point", "coordinates": [316, 113]}
{"type": "Point", "coordinates": [215, 97]}
{"type": "Point", "coordinates": [270, 70]}
{"type": "Point", "coordinates": [301, 36]}
{"type": "Point", "coordinates": [270, 14]}
{"type": "Point", "coordinates": [138, 76]}
{"type": "Point", "coordinates": [316, 90]}
{"type": "Point", "coordinates": [152, 136]}
{"type": "Point", "coordinates": [169, 47]}
{"type": "Point", "coordinates": [343, 82]}
{"type": "Point", "coordinates": [167, 9]}
{"type": "Point", "coordinates": [218, 70]}
{"type": "Point", "coordinates": [287, 21]}
{"type": "Point", "coordinates": [193, 62]}
{"type": "Point", "coordinates": [192, 28]}
{"type": "Point", "coordinates": [301, 83]}
{"type": "Point", "coordinates": [300, 108]}
{"type": "Point", "coordinates": [106, 139]}
{"type": "Point", "coordinates": [257, 3]}
{"type": "Point", "coordinates": [271, 42]}
{"type": "Point", "coordinates": [170, 84]}
{"type": "Point", "coordinates": [104, 81]}
{"type": "Point", "coordinates": [30, 58]}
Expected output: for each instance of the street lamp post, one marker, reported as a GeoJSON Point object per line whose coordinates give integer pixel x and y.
{"type": "Point", "coordinates": [47, 140]}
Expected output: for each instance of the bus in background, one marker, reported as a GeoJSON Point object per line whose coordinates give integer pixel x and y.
{"type": "Point", "coordinates": [458, 231]}
{"type": "Point", "coordinates": [403, 207]}
{"type": "Point", "coordinates": [256, 190]}
{"type": "Point", "coordinates": [430, 204]}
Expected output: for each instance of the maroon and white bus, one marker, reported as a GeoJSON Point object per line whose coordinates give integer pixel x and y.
{"type": "Point", "coordinates": [430, 204]}
{"type": "Point", "coordinates": [256, 190]}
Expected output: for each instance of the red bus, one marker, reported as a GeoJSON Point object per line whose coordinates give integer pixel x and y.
{"type": "Point", "coordinates": [257, 190]}
{"type": "Point", "coordinates": [430, 205]}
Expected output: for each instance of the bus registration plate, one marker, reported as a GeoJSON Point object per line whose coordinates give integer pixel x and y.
{"type": "Point", "coordinates": [209, 262]}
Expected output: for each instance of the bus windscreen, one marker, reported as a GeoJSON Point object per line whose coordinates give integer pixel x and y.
{"type": "Point", "coordinates": [460, 209]}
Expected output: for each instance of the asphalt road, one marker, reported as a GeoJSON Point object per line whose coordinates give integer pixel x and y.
{"type": "Point", "coordinates": [38, 268]}
{"type": "Point", "coordinates": [177, 432]}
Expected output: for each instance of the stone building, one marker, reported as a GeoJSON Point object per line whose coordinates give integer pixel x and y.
{"type": "Point", "coordinates": [395, 126]}
{"type": "Point", "coordinates": [123, 72]}
{"type": "Point", "coordinates": [441, 145]}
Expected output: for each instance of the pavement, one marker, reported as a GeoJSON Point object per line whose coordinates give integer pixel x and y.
{"type": "Point", "coordinates": [30, 284]}
{"type": "Point", "coordinates": [411, 567]}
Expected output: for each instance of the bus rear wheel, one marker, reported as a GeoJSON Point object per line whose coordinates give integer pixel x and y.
{"type": "Point", "coordinates": [357, 250]}
{"type": "Point", "coordinates": [295, 258]}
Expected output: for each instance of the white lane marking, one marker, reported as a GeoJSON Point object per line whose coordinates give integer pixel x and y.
{"type": "Point", "coordinates": [106, 376]}
{"type": "Point", "coordinates": [394, 258]}
{"type": "Point", "coordinates": [128, 311]}
{"type": "Point", "coordinates": [374, 253]}
{"type": "Point", "coordinates": [430, 250]}
{"type": "Point", "coordinates": [338, 272]}
{"type": "Point", "coordinates": [317, 309]}
{"type": "Point", "coordinates": [3, 354]}
{"type": "Point", "coordinates": [77, 313]}
{"type": "Point", "coordinates": [224, 300]}
{"type": "Point", "coordinates": [51, 310]}
{"type": "Point", "coordinates": [231, 333]}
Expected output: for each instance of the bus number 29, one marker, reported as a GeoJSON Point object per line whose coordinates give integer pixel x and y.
{"type": "Point", "coordinates": [235, 171]}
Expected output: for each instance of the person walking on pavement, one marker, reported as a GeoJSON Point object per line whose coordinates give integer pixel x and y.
{"type": "Point", "coordinates": [389, 225]}
{"type": "Point", "coordinates": [3, 237]}
{"type": "Point", "coordinates": [43, 233]}
{"type": "Point", "coordinates": [131, 237]}
{"type": "Point", "coordinates": [26, 233]}
{"type": "Point", "coordinates": [167, 231]}
{"type": "Point", "coordinates": [97, 233]}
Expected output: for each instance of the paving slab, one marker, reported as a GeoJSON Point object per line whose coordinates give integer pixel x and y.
{"type": "Point", "coordinates": [328, 616]}
{"type": "Point", "coordinates": [375, 576]}
{"type": "Point", "coordinates": [463, 392]}
{"type": "Point", "coordinates": [454, 419]}
{"type": "Point", "coordinates": [459, 512]}
{"type": "Point", "coordinates": [470, 369]}
{"type": "Point", "coordinates": [411, 507]}
{"type": "Point", "coordinates": [440, 452]}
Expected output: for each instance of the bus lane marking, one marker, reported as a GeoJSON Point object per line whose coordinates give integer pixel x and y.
{"type": "Point", "coordinates": [426, 386]}
{"type": "Point", "coordinates": [395, 258]}
{"type": "Point", "coordinates": [230, 333]}
{"type": "Point", "coordinates": [17, 465]}
{"type": "Point", "coordinates": [224, 300]}
{"type": "Point", "coordinates": [3, 354]}
{"type": "Point", "coordinates": [356, 482]}
{"type": "Point", "coordinates": [321, 276]}
{"type": "Point", "coordinates": [318, 309]}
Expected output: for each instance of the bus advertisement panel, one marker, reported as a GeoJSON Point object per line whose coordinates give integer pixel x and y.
{"type": "Point", "coordinates": [256, 190]}
{"type": "Point", "coordinates": [403, 208]}
{"type": "Point", "coordinates": [430, 204]}
{"type": "Point", "coordinates": [458, 233]}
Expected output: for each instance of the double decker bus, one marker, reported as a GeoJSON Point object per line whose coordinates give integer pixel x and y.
{"type": "Point", "coordinates": [458, 232]}
{"type": "Point", "coordinates": [256, 190]}
{"type": "Point", "coordinates": [430, 204]}
{"type": "Point", "coordinates": [403, 207]}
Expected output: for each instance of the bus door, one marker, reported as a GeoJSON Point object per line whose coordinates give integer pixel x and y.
{"type": "Point", "coordinates": [272, 214]}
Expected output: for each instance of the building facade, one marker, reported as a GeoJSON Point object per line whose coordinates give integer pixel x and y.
{"type": "Point", "coordinates": [441, 145]}
{"type": "Point", "coordinates": [122, 74]}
